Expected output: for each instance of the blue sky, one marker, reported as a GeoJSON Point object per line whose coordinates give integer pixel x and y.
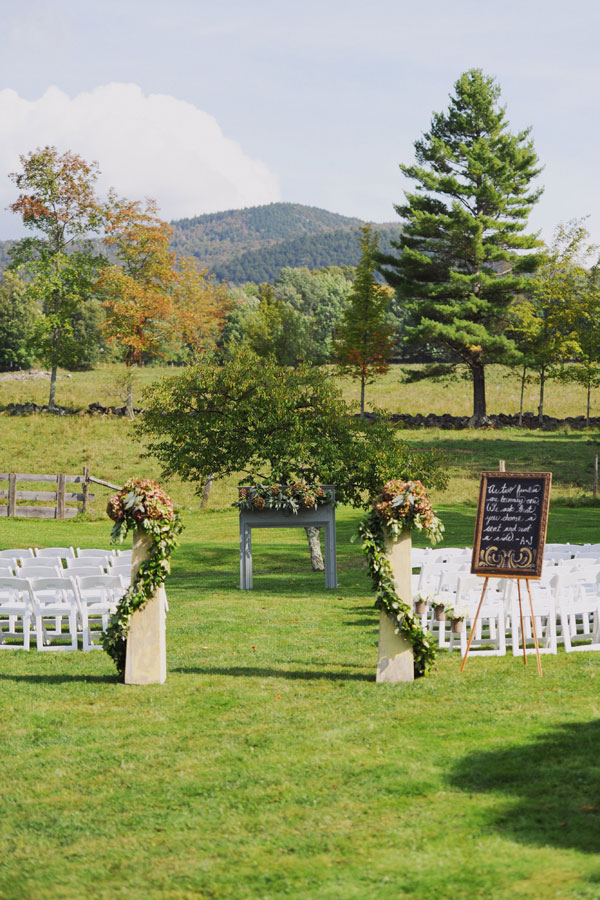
{"type": "Point", "coordinates": [212, 106]}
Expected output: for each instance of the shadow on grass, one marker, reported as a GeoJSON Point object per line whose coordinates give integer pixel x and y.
{"type": "Point", "coordinates": [60, 679]}
{"type": "Point", "coordinates": [555, 783]}
{"type": "Point", "coordinates": [254, 672]}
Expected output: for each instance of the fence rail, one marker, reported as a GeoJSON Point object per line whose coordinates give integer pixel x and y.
{"type": "Point", "coordinates": [59, 496]}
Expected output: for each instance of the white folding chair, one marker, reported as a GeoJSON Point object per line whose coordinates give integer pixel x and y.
{"type": "Point", "coordinates": [54, 598]}
{"type": "Point", "coordinates": [16, 554]}
{"type": "Point", "coordinates": [40, 562]}
{"type": "Point", "coordinates": [99, 562]}
{"type": "Point", "coordinates": [544, 617]}
{"type": "Point", "coordinates": [60, 552]}
{"type": "Point", "coordinates": [578, 610]}
{"type": "Point", "coordinates": [79, 571]}
{"type": "Point", "coordinates": [124, 572]}
{"type": "Point", "coordinates": [15, 603]}
{"type": "Point", "coordinates": [97, 598]}
{"type": "Point", "coordinates": [489, 637]}
{"type": "Point", "coordinates": [95, 553]}
{"type": "Point", "coordinates": [122, 555]}
{"type": "Point", "coordinates": [47, 571]}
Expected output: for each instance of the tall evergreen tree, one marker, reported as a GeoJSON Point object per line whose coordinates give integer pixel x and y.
{"type": "Point", "coordinates": [463, 250]}
{"type": "Point", "coordinates": [364, 341]}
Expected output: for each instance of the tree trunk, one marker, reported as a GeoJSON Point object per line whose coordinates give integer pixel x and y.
{"type": "Point", "coordinates": [479, 405]}
{"type": "Point", "coordinates": [362, 397]}
{"type": "Point", "coordinates": [314, 542]}
{"type": "Point", "coordinates": [522, 394]}
{"type": "Point", "coordinates": [541, 406]}
{"type": "Point", "coordinates": [52, 387]}
{"type": "Point", "coordinates": [206, 492]}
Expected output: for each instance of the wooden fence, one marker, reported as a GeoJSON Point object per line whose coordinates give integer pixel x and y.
{"type": "Point", "coordinates": [58, 495]}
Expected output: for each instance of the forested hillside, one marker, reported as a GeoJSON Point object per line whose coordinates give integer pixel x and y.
{"type": "Point", "coordinates": [254, 244]}
{"type": "Point", "coordinates": [313, 251]}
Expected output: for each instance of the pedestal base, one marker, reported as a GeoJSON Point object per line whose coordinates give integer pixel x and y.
{"type": "Point", "coordinates": [146, 660]}
{"type": "Point", "coordinates": [395, 656]}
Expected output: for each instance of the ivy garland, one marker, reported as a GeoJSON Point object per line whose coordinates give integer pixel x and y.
{"type": "Point", "coordinates": [401, 504]}
{"type": "Point", "coordinates": [372, 533]}
{"type": "Point", "coordinates": [142, 505]}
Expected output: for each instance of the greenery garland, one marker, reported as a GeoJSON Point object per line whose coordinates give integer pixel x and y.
{"type": "Point", "coordinates": [372, 533]}
{"type": "Point", "coordinates": [143, 505]}
{"type": "Point", "coordinates": [400, 505]}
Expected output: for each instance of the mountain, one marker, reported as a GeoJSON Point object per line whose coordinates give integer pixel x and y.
{"type": "Point", "coordinates": [254, 244]}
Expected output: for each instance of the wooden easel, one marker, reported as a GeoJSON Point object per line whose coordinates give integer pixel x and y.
{"type": "Point", "coordinates": [535, 637]}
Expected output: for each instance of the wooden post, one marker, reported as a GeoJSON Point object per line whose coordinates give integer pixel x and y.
{"type": "Point", "coordinates": [146, 660]}
{"type": "Point", "coordinates": [85, 490]}
{"type": "Point", "coordinates": [595, 476]}
{"type": "Point", "coordinates": [501, 465]}
{"type": "Point", "coordinates": [473, 626]}
{"type": "Point", "coordinates": [12, 494]}
{"type": "Point", "coordinates": [522, 622]}
{"type": "Point", "coordinates": [60, 496]}
{"type": "Point", "coordinates": [535, 637]}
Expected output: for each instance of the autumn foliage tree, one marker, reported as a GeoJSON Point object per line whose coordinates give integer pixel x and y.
{"type": "Point", "coordinates": [57, 201]}
{"type": "Point", "coordinates": [364, 340]}
{"type": "Point", "coordinates": [150, 299]}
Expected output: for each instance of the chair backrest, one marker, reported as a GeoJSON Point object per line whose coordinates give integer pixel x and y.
{"type": "Point", "coordinates": [125, 569]}
{"type": "Point", "coordinates": [85, 562]}
{"type": "Point", "coordinates": [46, 591]}
{"type": "Point", "coordinates": [40, 571]}
{"type": "Point", "coordinates": [40, 562]}
{"type": "Point", "coordinates": [7, 571]}
{"type": "Point", "coordinates": [94, 552]}
{"type": "Point", "coordinates": [80, 571]}
{"type": "Point", "coordinates": [103, 587]}
{"type": "Point", "coordinates": [16, 554]}
{"type": "Point", "coordinates": [60, 552]}
{"type": "Point", "coordinates": [9, 583]}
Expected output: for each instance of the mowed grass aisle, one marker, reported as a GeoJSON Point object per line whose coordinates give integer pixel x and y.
{"type": "Point", "coordinates": [271, 765]}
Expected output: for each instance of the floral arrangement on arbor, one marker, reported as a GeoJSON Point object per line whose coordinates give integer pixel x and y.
{"type": "Point", "coordinates": [141, 505]}
{"type": "Point", "coordinates": [400, 505]}
{"type": "Point", "coordinates": [406, 504]}
{"type": "Point", "coordinates": [290, 498]}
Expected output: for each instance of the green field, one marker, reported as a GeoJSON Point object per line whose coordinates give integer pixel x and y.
{"type": "Point", "coordinates": [270, 764]}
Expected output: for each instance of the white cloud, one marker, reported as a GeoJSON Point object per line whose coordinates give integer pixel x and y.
{"type": "Point", "coordinates": [147, 146]}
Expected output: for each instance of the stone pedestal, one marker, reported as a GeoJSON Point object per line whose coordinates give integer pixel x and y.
{"type": "Point", "coordinates": [146, 661]}
{"type": "Point", "coordinates": [395, 657]}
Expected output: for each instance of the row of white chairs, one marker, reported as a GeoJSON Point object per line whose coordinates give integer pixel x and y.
{"type": "Point", "coordinates": [566, 610]}
{"type": "Point", "coordinates": [65, 552]}
{"type": "Point", "coordinates": [44, 604]}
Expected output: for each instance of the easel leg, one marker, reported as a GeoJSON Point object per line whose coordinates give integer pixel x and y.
{"type": "Point", "coordinates": [535, 637]}
{"type": "Point", "coordinates": [473, 626]}
{"type": "Point", "coordinates": [522, 623]}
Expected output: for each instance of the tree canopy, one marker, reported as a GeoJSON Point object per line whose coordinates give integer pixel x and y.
{"type": "Point", "coordinates": [264, 421]}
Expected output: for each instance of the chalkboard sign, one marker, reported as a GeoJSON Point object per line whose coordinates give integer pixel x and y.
{"type": "Point", "coordinates": [510, 531]}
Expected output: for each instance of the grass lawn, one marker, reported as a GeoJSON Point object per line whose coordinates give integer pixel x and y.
{"type": "Point", "coordinates": [271, 765]}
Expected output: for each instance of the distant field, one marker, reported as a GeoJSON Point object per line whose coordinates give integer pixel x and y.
{"type": "Point", "coordinates": [108, 445]}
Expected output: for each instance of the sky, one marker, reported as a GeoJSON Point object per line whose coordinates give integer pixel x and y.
{"type": "Point", "coordinates": [207, 106]}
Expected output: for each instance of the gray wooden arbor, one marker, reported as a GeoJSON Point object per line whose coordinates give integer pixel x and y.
{"type": "Point", "coordinates": [323, 517]}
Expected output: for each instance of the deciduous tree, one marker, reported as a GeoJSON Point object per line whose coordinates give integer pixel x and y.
{"type": "Point", "coordinates": [57, 201]}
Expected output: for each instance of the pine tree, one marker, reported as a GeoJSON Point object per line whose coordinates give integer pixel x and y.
{"type": "Point", "coordinates": [364, 341]}
{"type": "Point", "coordinates": [463, 250]}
